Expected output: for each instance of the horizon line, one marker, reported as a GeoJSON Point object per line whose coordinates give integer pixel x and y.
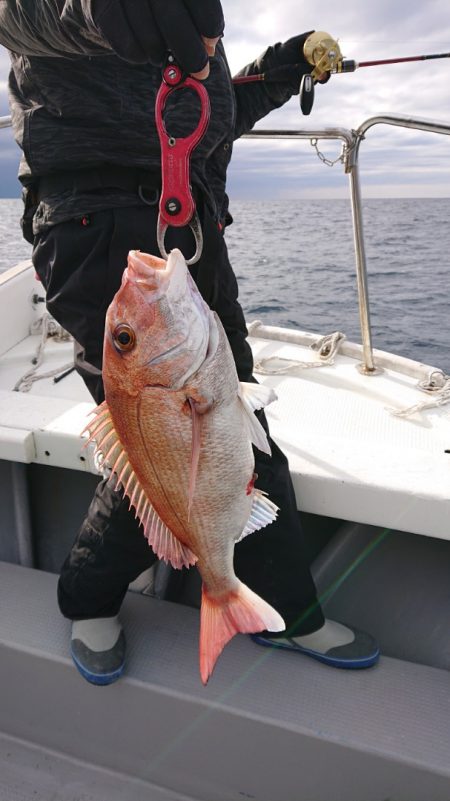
{"type": "Point", "coordinates": [308, 197]}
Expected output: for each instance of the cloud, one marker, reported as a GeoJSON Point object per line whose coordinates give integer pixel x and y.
{"type": "Point", "coordinates": [393, 162]}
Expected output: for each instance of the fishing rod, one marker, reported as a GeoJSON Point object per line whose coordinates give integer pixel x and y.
{"type": "Point", "coordinates": [322, 51]}
{"type": "Point", "coordinates": [348, 65]}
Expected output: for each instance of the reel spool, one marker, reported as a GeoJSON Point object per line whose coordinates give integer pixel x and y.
{"type": "Point", "coordinates": [322, 52]}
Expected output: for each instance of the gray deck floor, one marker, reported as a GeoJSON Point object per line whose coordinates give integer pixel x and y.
{"type": "Point", "coordinates": [270, 726]}
{"type": "Point", "coordinates": [31, 773]}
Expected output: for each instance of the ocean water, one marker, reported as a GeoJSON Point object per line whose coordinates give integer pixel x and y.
{"type": "Point", "coordinates": [295, 265]}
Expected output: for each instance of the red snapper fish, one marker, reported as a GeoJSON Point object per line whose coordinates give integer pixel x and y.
{"type": "Point", "coordinates": [176, 432]}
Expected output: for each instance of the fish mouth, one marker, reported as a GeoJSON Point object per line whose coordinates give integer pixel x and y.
{"type": "Point", "coordinates": [148, 273]}
{"type": "Point", "coordinates": [182, 321]}
{"type": "Point", "coordinates": [143, 265]}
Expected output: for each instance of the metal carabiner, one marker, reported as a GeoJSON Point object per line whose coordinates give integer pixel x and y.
{"type": "Point", "coordinates": [196, 228]}
{"type": "Point", "coordinates": [177, 205]}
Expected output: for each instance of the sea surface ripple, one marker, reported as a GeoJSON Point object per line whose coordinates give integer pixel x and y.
{"type": "Point", "coordinates": [295, 264]}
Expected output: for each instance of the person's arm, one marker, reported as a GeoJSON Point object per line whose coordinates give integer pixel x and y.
{"type": "Point", "coordinates": [255, 100]}
{"type": "Point", "coordinates": [138, 32]}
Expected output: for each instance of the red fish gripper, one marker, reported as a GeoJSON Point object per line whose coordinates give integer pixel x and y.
{"type": "Point", "coordinates": [177, 205]}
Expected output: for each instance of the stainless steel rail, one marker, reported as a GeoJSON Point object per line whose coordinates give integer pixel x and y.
{"type": "Point", "coordinates": [418, 123]}
{"type": "Point", "coordinates": [351, 142]}
{"type": "Point", "coordinates": [398, 120]}
{"type": "Point", "coordinates": [348, 138]}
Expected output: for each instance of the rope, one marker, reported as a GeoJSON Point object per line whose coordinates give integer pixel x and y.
{"type": "Point", "coordinates": [438, 385]}
{"type": "Point", "coordinates": [48, 327]}
{"type": "Point", "coordinates": [327, 347]}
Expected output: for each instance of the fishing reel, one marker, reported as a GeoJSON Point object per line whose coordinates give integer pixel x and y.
{"type": "Point", "coordinates": [324, 54]}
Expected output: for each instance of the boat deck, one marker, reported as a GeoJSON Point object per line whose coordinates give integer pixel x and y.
{"type": "Point", "coordinates": [350, 457]}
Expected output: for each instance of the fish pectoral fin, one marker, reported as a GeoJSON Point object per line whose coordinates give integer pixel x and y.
{"type": "Point", "coordinates": [196, 417]}
{"type": "Point", "coordinates": [111, 454]}
{"type": "Point", "coordinates": [253, 397]}
{"type": "Point", "coordinates": [202, 403]}
{"type": "Point", "coordinates": [263, 512]}
{"type": "Point", "coordinates": [220, 619]}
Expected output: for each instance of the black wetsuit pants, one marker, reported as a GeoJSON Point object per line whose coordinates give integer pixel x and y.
{"type": "Point", "coordinates": [80, 263]}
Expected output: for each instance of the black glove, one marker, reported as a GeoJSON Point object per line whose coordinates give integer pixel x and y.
{"type": "Point", "coordinates": [292, 62]}
{"type": "Point", "coordinates": [284, 66]}
{"type": "Point", "coordinates": [293, 67]}
{"type": "Point", "coordinates": [143, 31]}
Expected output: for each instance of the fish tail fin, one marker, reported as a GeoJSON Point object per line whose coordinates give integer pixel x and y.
{"type": "Point", "coordinates": [220, 619]}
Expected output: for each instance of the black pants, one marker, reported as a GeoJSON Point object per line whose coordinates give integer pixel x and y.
{"type": "Point", "coordinates": [81, 267]}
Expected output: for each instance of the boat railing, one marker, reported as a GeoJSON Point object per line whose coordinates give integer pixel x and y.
{"type": "Point", "coordinates": [351, 142]}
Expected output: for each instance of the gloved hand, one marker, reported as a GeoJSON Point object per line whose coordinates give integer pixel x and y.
{"type": "Point", "coordinates": [293, 64]}
{"type": "Point", "coordinates": [144, 31]}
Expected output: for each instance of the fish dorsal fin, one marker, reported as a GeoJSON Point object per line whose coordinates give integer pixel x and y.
{"type": "Point", "coordinates": [262, 513]}
{"type": "Point", "coordinates": [253, 397]}
{"type": "Point", "coordinates": [112, 456]}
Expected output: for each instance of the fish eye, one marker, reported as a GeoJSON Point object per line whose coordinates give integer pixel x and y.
{"type": "Point", "coordinates": [124, 337]}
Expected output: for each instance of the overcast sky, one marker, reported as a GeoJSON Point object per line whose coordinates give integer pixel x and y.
{"type": "Point", "coordinates": [394, 162]}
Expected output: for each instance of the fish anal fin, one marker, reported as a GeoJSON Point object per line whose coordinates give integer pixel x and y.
{"type": "Point", "coordinates": [239, 611]}
{"type": "Point", "coordinates": [263, 512]}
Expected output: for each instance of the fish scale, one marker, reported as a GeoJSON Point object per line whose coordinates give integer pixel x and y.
{"type": "Point", "coordinates": [176, 431]}
{"type": "Point", "coordinates": [167, 455]}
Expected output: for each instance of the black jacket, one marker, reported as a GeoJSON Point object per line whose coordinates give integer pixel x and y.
{"type": "Point", "coordinates": [76, 105]}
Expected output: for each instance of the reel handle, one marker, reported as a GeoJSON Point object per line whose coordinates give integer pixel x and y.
{"type": "Point", "coordinates": [306, 95]}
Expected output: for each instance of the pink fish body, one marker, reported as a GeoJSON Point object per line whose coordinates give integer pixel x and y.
{"type": "Point", "coordinates": [176, 430]}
